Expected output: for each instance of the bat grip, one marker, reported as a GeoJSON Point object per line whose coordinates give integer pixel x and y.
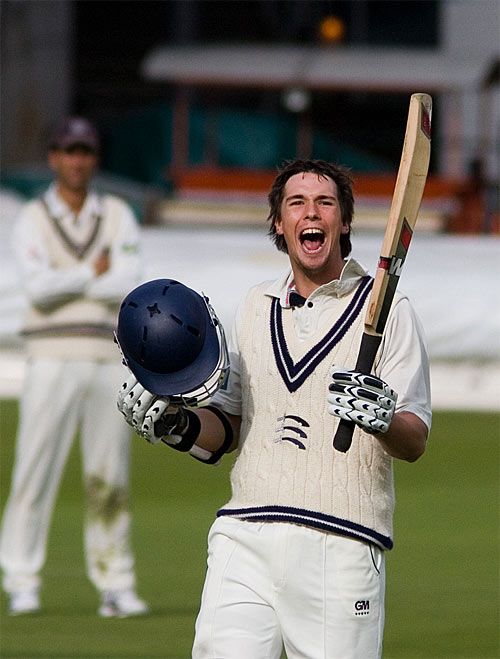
{"type": "Point", "coordinates": [366, 357]}
{"type": "Point", "coordinates": [162, 426]}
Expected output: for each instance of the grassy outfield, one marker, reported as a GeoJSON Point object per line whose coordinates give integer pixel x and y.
{"type": "Point", "coordinates": [442, 590]}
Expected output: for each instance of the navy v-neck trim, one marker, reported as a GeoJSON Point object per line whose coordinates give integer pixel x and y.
{"type": "Point", "coordinates": [295, 374]}
{"type": "Point", "coordinates": [79, 250]}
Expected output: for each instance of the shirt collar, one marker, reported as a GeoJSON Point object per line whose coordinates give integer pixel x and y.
{"type": "Point", "coordinates": [59, 208]}
{"type": "Point", "coordinates": [351, 273]}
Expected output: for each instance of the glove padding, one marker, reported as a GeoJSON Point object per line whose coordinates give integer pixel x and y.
{"type": "Point", "coordinates": [364, 399]}
{"type": "Point", "coordinates": [143, 410]}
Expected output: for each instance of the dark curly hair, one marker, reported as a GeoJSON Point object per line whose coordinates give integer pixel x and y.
{"type": "Point", "coordinates": [339, 174]}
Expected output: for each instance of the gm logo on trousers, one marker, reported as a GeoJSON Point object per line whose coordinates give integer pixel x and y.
{"type": "Point", "coordinates": [362, 608]}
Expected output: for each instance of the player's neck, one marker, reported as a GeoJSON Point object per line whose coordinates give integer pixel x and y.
{"type": "Point", "coordinates": [72, 197]}
{"type": "Point", "coordinates": [307, 282]}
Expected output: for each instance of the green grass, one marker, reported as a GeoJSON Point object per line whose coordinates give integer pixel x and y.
{"type": "Point", "coordinates": [442, 583]}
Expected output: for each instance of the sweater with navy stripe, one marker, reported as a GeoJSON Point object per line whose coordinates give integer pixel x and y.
{"type": "Point", "coordinates": [287, 468]}
{"type": "Point", "coordinates": [73, 315]}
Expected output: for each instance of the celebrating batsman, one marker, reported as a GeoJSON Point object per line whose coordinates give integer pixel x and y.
{"type": "Point", "coordinates": [296, 556]}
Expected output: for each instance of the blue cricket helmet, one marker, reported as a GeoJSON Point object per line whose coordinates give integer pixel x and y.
{"type": "Point", "coordinates": [172, 341]}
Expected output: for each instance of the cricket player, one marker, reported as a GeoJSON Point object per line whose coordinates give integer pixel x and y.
{"type": "Point", "coordinates": [78, 254]}
{"type": "Point", "coordinates": [296, 558]}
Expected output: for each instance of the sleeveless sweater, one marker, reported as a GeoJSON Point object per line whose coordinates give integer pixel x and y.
{"type": "Point", "coordinates": [77, 327]}
{"type": "Point", "coordinates": [287, 468]}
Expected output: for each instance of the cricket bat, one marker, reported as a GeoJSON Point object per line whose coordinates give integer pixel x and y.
{"type": "Point", "coordinates": [405, 205]}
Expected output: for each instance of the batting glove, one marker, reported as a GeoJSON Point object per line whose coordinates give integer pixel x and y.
{"type": "Point", "coordinates": [129, 392]}
{"type": "Point", "coordinates": [141, 408]}
{"type": "Point", "coordinates": [364, 399]}
{"type": "Point", "coordinates": [151, 416]}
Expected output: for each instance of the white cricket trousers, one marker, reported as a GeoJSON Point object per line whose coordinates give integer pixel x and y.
{"type": "Point", "coordinates": [58, 398]}
{"type": "Point", "coordinates": [270, 585]}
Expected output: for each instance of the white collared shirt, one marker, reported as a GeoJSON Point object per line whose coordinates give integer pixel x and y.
{"type": "Point", "coordinates": [402, 359]}
{"type": "Point", "coordinates": [45, 284]}
{"type": "Point", "coordinates": [306, 321]}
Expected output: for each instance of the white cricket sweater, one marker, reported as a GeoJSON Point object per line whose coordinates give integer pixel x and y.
{"type": "Point", "coordinates": [72, 313]}
{"type": "Point", "coordinates": [287, 469]}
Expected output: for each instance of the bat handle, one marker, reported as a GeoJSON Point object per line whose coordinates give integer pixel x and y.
{"type": "Point", "coordinates": [343, 436]}
{"type": "Point", "coordinates": [366, 357]}
{"type": "Point", "coordinates": [162, 426]}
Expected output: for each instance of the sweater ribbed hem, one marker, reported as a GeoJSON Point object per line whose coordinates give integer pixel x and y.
{"type": "Point", "coordinates": [309, 518]}
{"type": "Point", "coordinates": [103, 330]}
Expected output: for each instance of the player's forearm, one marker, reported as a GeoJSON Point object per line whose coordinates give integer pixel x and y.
{"type": "Point", "coordinates": [212, 431]}
{"type": "Point", "coordinates": [47, 287]}
{"type": "Point", "coordinates": [406, 438]}
{"type": "Point", "coordinates": [122, 276]}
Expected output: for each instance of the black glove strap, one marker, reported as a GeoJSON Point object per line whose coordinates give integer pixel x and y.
{"type": "Point", "coordinates": [190, 429]}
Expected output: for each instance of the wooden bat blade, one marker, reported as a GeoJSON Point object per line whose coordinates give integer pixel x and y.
{"type": "Point", "coordinates": [403, 213]}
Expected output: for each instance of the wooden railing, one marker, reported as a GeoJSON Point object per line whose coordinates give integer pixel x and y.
{"type": "Point", "coordinates": [456, 206]}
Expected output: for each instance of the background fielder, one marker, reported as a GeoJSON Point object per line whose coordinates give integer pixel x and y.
{"type": "Point", "coordinates": [78, 254]}
{"type": "Point", "coordinates": [296, 557]}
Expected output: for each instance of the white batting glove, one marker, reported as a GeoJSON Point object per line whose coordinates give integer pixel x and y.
{"type": "Point", "coordinates": [129, 392]}
{"type": "Point", "coordinates": [364, 399]}
{"type": "Point", "coordinates": [142, 410]}
{"type": "Point", "coordinates": [148, 409]}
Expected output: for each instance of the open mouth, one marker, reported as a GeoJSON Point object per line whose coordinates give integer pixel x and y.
{"type": "Point", "coordinates": [312, 239]}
